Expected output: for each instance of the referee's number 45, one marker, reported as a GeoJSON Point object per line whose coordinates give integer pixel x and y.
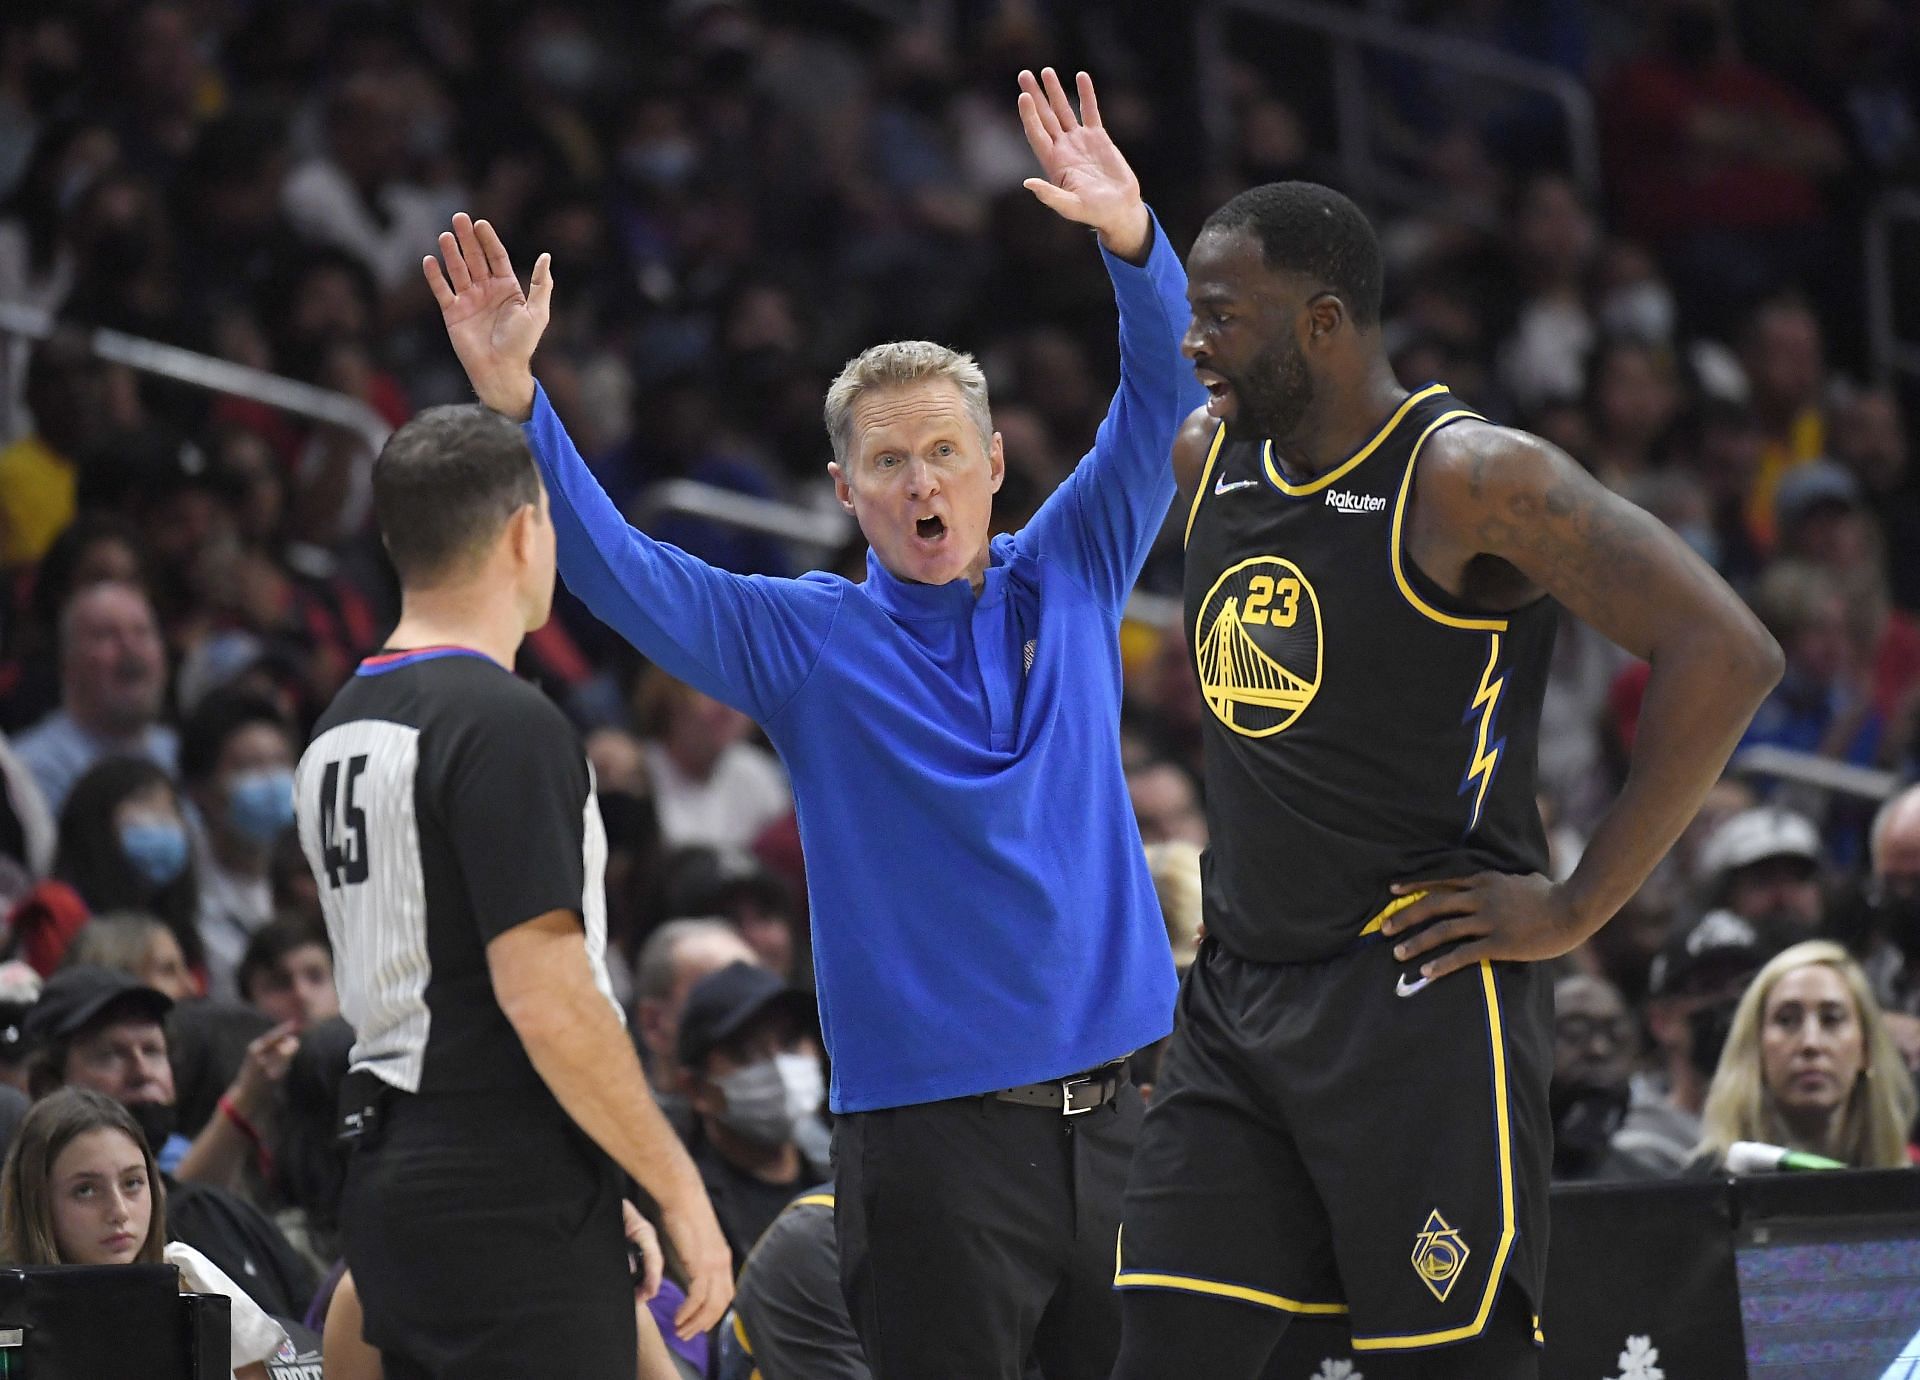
{"type": "Point", "coordinates": [344, 854]}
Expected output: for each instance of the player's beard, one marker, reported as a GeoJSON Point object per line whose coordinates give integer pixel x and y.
{"type": "Point", "coordinates": [1275, 392]}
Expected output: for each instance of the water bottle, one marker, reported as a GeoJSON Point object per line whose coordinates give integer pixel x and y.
{"type": "Point", "coordinates": [13, 1353]}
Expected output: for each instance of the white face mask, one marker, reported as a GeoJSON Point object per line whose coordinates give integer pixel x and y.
{"type": "Point", "coordinates": [766, 1099]}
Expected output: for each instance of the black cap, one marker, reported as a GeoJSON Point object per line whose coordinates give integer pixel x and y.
{"type": "Point", "coordinates": [723, 1004]}
{"type": "Point", "coordinates": [1717, 948]}
{"type": "Point", "coordinates": [76, 997]}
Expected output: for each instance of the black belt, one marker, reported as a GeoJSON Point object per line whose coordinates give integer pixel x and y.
{"type": "Point", "coordinates": [1073, 1096]}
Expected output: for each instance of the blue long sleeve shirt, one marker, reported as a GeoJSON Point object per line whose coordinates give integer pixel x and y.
{"type": "Point", "coordinates": [981, 907]}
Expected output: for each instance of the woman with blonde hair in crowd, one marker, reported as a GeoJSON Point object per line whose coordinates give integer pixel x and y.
{"type": "Point", "coordinates": [80, 1188]}
{"type": "Point", "coordinates": [1810, 1065]}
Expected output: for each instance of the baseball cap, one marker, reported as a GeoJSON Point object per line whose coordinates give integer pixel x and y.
{"type": "Point", "coordinates": [1806, 487]}
{"type": "Point", "coordinates": [75, 997]}
{"type": "Point", "coordinates": [1751, 836]}
{"type": "Point", "coordinates": [1718, 946]}
{"type": "Point", "coordinates": [723, 1004]}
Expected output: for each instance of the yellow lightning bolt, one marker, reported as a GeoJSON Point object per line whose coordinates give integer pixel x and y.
{"type": "Point", "coordinates": [1485, 758]}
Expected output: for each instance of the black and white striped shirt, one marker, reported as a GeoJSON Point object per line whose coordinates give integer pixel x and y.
{"type": "Point", "coordinates": [442, 802]}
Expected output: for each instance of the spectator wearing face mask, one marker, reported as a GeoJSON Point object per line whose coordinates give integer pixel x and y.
{"type": "Point", "coordinates": [236, 759]}
{"type": "Point", "coordinates": [1693, 986]}
{"type": "Point", "coordinates": [1595, 1040]}
{"type": "Point", "coordinates": [113, 676]}
{"type": "Point", "coordinates": [123, 846]}
{"type": "Point", "coordinates": [752, 1069]}
{"type": "Point", "coordinates": [673, 961]}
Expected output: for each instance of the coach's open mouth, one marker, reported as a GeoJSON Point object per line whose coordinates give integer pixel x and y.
{"type": "Point", "coordinates": [930, 528]}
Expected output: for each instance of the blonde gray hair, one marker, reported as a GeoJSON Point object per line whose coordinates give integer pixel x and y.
{"type": "Point", "coordinates": [897, 364]}
{"type": "Point", "coordinates": [1880, 1106]}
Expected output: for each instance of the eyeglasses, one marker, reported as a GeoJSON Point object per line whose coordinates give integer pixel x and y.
{"type": "Point", "coordinates": [1580, 1031]}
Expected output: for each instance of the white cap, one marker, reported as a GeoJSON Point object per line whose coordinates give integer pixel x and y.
{"type": "Point", "coordinates": [1766, 831]}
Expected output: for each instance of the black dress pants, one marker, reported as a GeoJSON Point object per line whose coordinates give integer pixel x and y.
{"type": "Point", "coordinates": [977, 1237]}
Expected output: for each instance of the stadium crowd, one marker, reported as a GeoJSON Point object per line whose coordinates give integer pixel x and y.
{"type": "Point", "coordinates": [737, 197]}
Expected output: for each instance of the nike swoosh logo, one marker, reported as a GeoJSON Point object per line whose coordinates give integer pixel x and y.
{"type": "Point", "coordinates": [1403, 988]}
{"type": "Point", "coordinates": [1222, 487]}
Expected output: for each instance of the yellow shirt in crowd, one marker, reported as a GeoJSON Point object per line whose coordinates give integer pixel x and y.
{"type": "Point", "coordinates": [36, 500]}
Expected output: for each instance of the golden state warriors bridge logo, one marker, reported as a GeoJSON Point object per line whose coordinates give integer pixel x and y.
{"type": "Point", "coordinates": [1257, 646]}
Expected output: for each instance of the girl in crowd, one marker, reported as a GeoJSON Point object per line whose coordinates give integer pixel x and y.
{"type": "Point", "coordinates": [80, 1188]}
{"type": "Point", "coordinates": [1810, 1065]}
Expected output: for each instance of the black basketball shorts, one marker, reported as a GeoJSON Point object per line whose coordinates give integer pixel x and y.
{"type": "Point", "coordinates": [1320, 1145]}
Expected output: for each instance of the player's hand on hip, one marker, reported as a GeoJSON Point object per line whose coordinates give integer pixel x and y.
{"type": "Point", "coordinates": [1087, 180]}
{"type": "Point", "coordinates": [493, 325]}
{"type": "Point", "coordinates": [1501, 915]}
{"type": "Point", "coordinates": [695, 1233]}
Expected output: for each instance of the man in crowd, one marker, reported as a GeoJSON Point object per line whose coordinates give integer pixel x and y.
{"type": "Point", "coordinates": [94, 1028]}
{"type": "Point", "coordinates": [1594, 1043]}
{"type": "Point", "coordinates": [113, 679]}
{"type": "Point", "coordinates": [236, 761]}
{"type": "Point", "coordinates": [1764, 864]}
{"type": "Point", "coordinates": [1893, 899]}
{"type": "Point", "coordinates": [672, 962]}
{"type": "Point", "coordinates": [1693, 985]}
{"type": "Point", "coordinates": [986, 940]}
{"type": "Point", "coordinates": [747, 1042]}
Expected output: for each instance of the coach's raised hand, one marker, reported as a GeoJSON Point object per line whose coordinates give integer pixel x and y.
{"type": "Point", "coordinates": [493, 325]}
{"type": "Point", "coordinates": [1087, 180]}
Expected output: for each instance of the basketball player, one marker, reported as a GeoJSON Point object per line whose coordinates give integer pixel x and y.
{"type": "Point", "coordinates": [1352, 1116]}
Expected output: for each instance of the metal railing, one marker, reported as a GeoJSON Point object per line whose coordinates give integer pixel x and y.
{"type": "Point", "coordinates": [1351, 35]}
{"type": "Point", "coordinates": [815, 532]}
{"type": "Point", "coordinates": [1892, 353]}
{"type": "Point", "coordinates": [205, 371]}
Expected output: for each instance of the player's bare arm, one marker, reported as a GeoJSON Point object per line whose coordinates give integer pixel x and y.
{"type": "Point", "coordinates": [1190, 447]}
{"type": "Point", "coordinates": [1500, 516]}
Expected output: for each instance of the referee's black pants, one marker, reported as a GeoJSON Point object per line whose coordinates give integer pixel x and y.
{"type": "Point", "coordinates": [977, 1237]}
{"type": "Point", "coordinates": [485, 1238]}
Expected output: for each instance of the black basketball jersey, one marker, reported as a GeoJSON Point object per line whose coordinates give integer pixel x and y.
{"type": "Point", "coordinates": [1363, 728]}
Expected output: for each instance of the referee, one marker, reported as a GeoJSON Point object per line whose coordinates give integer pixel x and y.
{"type": "Point", "coordinates": [447, 812]}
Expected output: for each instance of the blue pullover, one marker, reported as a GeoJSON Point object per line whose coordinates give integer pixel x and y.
{"type": "Point", "coordinates": [982, 913]}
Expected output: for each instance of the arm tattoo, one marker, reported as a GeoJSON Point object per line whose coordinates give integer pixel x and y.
{"type": "Point", "coordinates": [1571, 541]}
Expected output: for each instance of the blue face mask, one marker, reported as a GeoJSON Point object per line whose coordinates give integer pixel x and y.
{"type": "Point", "coordinates": [157, 850]}
{"type": "Point", "coordinates": [260, 804]}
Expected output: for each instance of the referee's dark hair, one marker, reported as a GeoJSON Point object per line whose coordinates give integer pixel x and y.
{"type": "Point", "coordinates": [1305, 228]}
{"type": "Point", "coordinates": [445, 484]}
